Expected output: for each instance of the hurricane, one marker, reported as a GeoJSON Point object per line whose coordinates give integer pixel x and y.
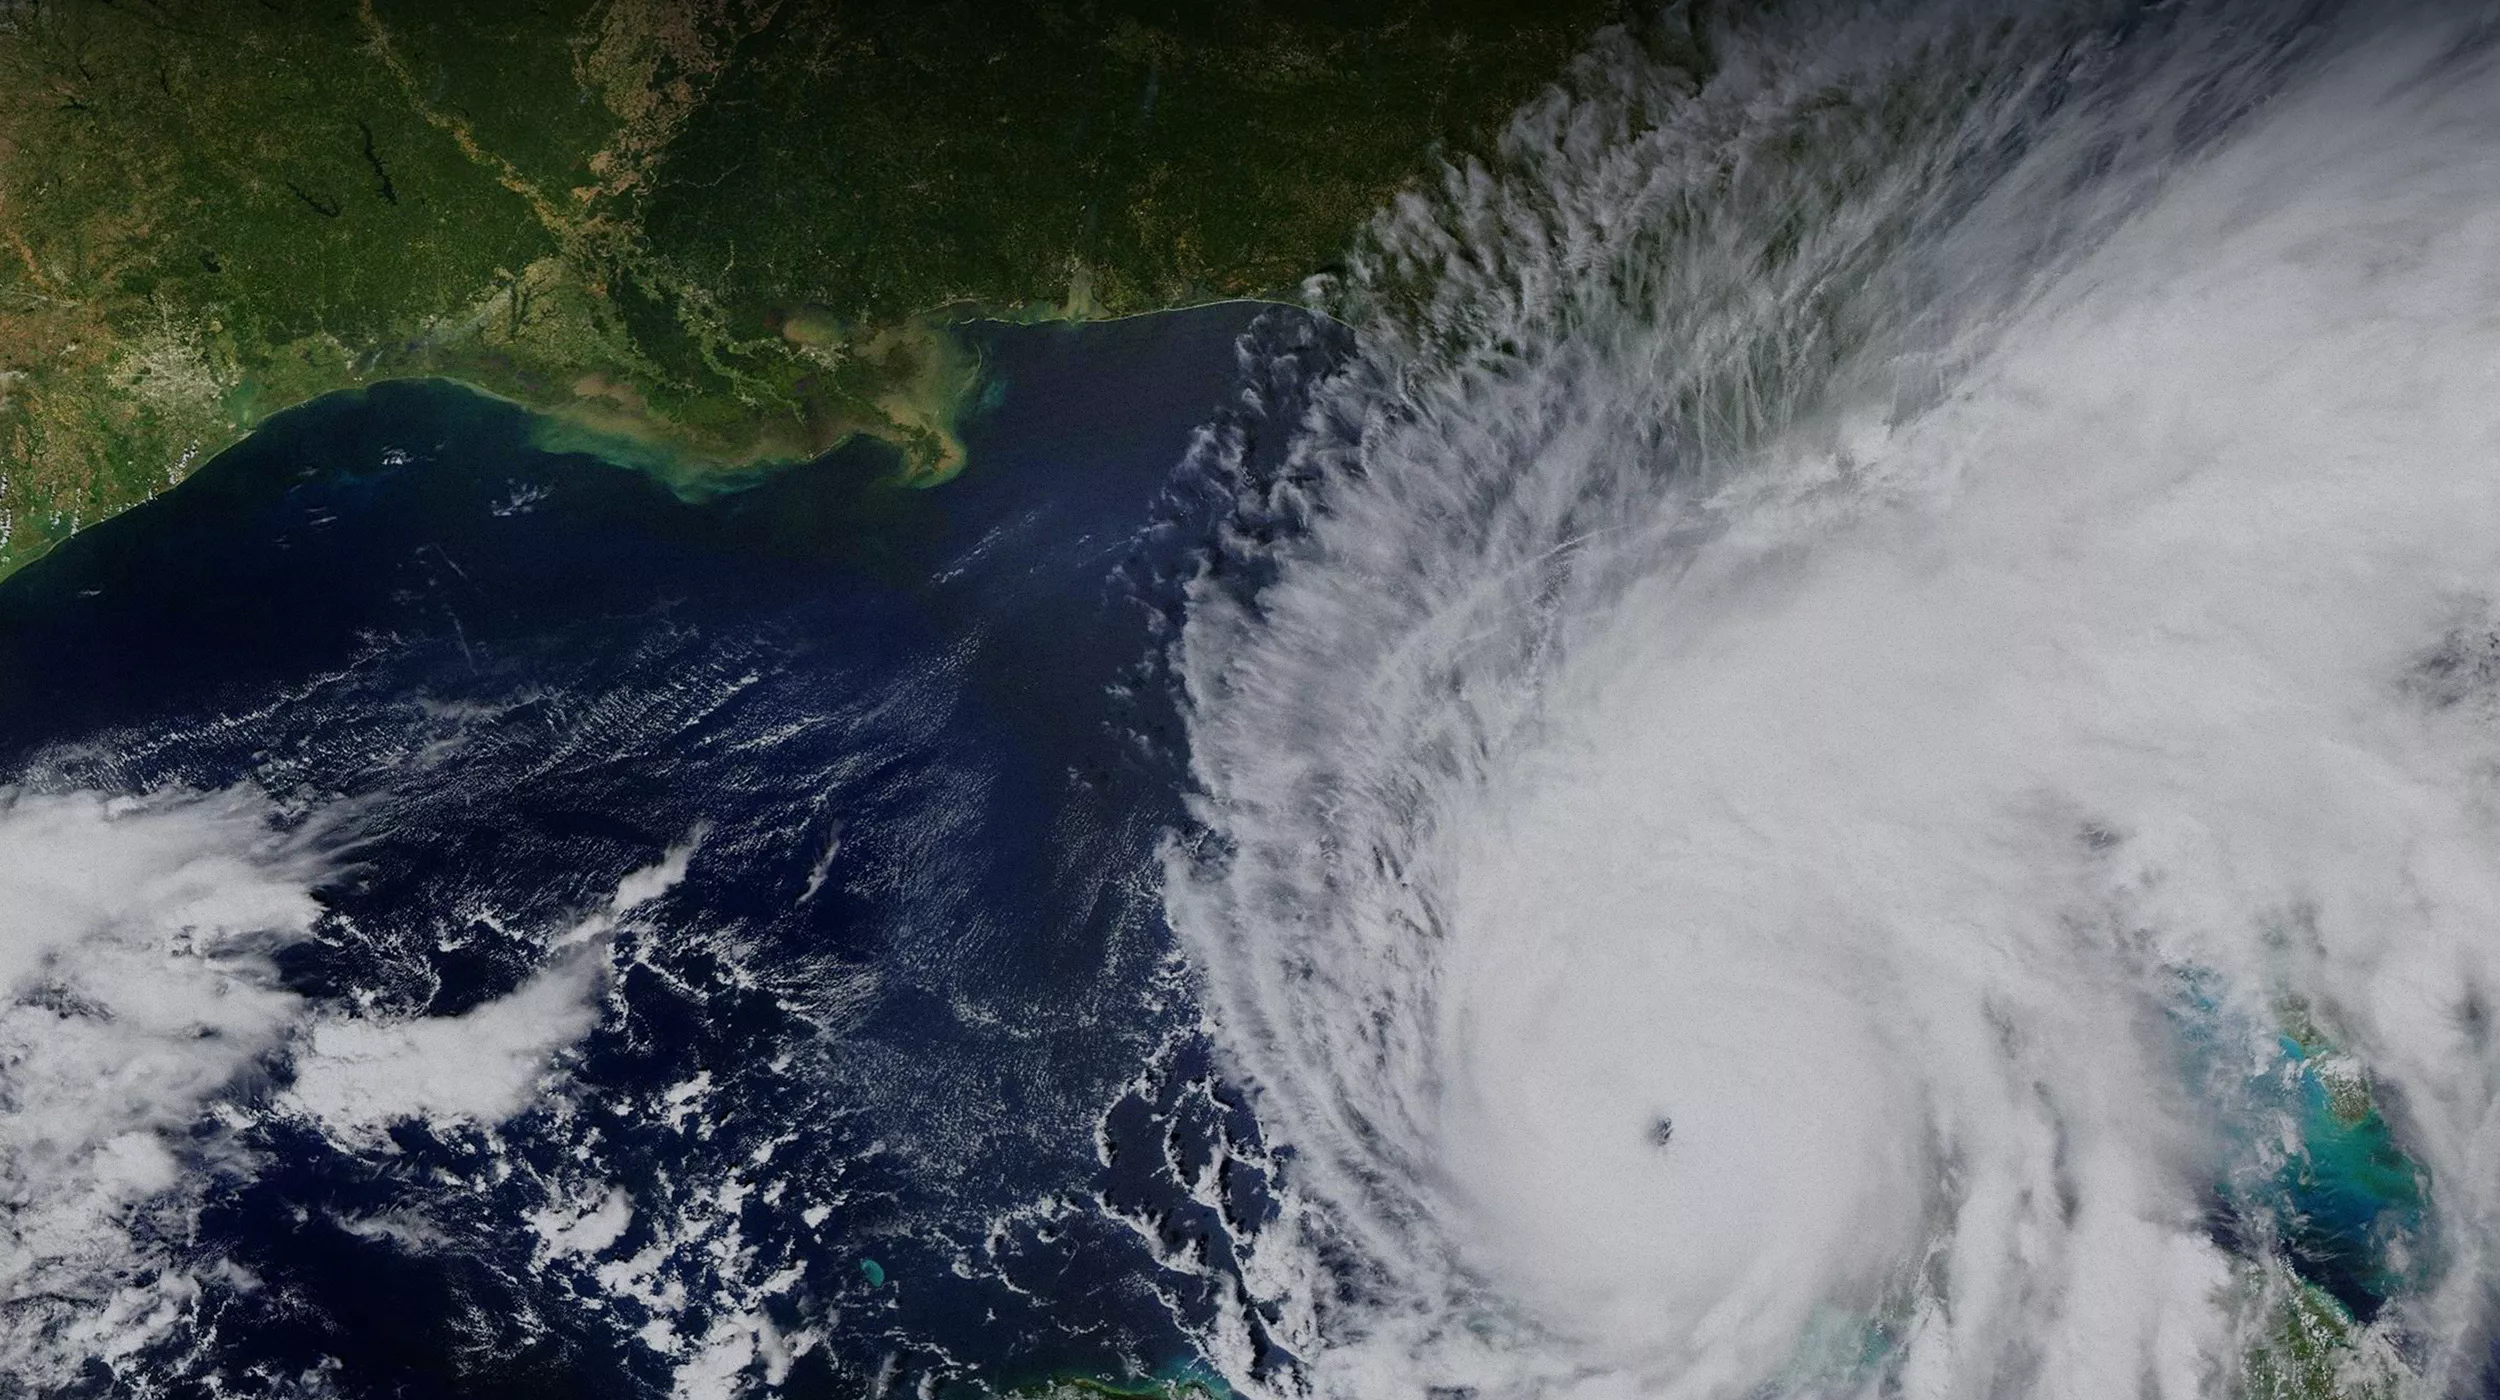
{"type": "Point", "coordinates": [1854, 752]}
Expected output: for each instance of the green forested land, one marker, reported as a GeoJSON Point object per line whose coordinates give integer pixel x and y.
{"type": "Point", "coordinates": [729, 231]}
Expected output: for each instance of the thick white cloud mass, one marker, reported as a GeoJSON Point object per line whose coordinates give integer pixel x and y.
{"type": "Point", "coordinates": [137, 997]}
{"type": "Point", "coordinates": [133, 943]}
{"type": "Point", "coordinates": [1906, 635]}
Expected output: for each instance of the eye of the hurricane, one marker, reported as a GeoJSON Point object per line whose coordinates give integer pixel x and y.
{"type": "Point", "coordinates": [1598, 954]}
{"type": "Point", "coordinates": [1860, 809]}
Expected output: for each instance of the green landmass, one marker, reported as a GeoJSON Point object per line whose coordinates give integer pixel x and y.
{"type": "Point", "coordinates": [2307, 1347]}
{"type": "Point", "coordinates": [1174, 1387]}
{"type": "Point", "coordinates": [720, 233]}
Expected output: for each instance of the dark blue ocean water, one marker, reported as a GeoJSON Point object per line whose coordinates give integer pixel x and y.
{"type": "Point", "coordinates": [853, 1069]}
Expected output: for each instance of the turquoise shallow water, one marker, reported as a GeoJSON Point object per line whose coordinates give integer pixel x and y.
{"type": "Point", "coordinates": [2321, 1175]}
{"type": "Point", "coordinates": [2356, 1207]}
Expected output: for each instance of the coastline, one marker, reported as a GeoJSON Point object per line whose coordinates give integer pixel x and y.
{"type": "Point", "coordinates": [919, 411]}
